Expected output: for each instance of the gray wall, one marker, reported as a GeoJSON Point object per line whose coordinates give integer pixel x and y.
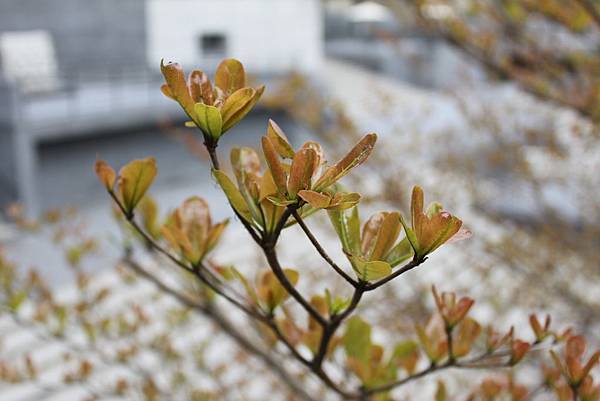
{"type": "Point", "coordinates": [95, 35]}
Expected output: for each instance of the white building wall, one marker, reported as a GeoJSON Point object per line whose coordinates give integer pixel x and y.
{"type": "Point", "coordinates": [268, 36]}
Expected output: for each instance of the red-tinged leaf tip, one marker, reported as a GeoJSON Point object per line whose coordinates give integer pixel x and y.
{"type": "Point", "coordinates": [518, 350]}
{"type": "Point", "coordinates": [106, 174]}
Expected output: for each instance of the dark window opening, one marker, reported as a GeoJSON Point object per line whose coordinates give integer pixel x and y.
{"type": "Point", "coordinates": [213, 45]}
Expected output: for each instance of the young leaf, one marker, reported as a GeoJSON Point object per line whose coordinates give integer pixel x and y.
{"type": "Point", "coordinates": [399, 253]}
{"type": "Point", "coordinates": [386, 235]}
{"type": "Point", "coordinates": [200, 88]}
{"type": "Point", "coordinates": [238, 105]}
{"type": "Point", "coordinates": [177, 87]}
{"type": "Point", "coordinates": [209, 120]}
{"type": "Point", "coordinates": [440, 393]}
{"type": "Point", "coordinates": [249, 290]}
{"type": "Point", "coordinates": [357, 339]}
{"type": "Point", "coordinates": [354, 158]}
{"type": "Point", "coordinates": [370, 271]}
{"type": "Point", "coordinates": [344, 200]}
{"type": "Point", "coordinates": [315, 199]}
{"type": "Point", "coordinates": [134, 180]}
{"type": "Point", "coordinates": [271, 292]}
{"type": "Point", "coordinates": [277, 170]}
{"type": "Point", "coordinates": [406, 355]}
{"type": "Point", "coordinates": [233, 195]}
{"type": "Point", "coordinates": [347, 226]}
{"type": "Point", "coordinates": [280, 142]}
{"type": "Point", "coordinates": [149, 214]}
{"type": "Point", "coordinates": [301, 171]}
{"type": "Point", "coordinates": [230, 76]}
{"type": "Point", "coordinates": [410, 235]}
{"type": "Point", "coordinates": [106, 174]}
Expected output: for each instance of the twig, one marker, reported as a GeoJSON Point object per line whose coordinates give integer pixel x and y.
{"type": "Point", "coordinates": [211, 312]}
{"type": "Point", "coordinates": [414, 263]}
{"type": "Point", "coordinates": [334, 324]}
{"type": "Point", "coordinates": [321, 251]}
{"type": "Point", "coordinates": [271, 256]}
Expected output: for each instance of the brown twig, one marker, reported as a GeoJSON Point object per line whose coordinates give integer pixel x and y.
{"type": "Point", "coordinates": [273, 261]}
{"type": "Point", "coordinates": [414, 263]}
{"type": "Point", "coordinates": [334, 324]}
{"type": "Point", "coordinates": [211, 312]}
{"type": "Point", "coordinates": [322, 251]}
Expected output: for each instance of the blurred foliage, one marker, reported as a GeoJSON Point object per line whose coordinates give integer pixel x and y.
{"type": "Point", "coordinates": [549, 47]}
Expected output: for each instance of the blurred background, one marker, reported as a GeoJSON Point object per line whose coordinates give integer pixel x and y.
{"type": "Point", "coordinates": [491, 106]}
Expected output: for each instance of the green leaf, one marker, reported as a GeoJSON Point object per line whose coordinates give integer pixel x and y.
{"type": "Point", "coordinates": [347, 226]}
{"type": "Point", "coordinates": [280, 141]}
{"type": "Point", "coordinates": [370, 271]}
{"type": "Point", "coordinates": [277, 201]}
{"type": "Point", "coordinates": [271, 291]}
{"type": "Point", "coordinates": [433, 209]}
{"type": "Point", "coordinates": [238, 105]}
{"type": "Point", "coordinates": [134, 180]}
{"type": "Point", "coordinates": [209, 120]}
{"type": "Point", "coordinates": [233, 195]}
{"type": "Point", "coordinates": [357, 339]}
{"type": "Point", "coordinates": [336, 304]}
{"type": "Point", "coordinates": [440, 393]}
{"type": "Point", "coordinates": [16, 300]}
{"type": "Point", "coordinates": [406, 355]}
{"type": "Point", "coordinates": [344, 200]}
{"type": "Point", "coordinates": [410, 235]}
{"type": "Point", "coordinates": [399, 253]}
{"type": "Point", "coordinates": [246, 166]}
{"type": "Point", "coordinates": [249, 290]}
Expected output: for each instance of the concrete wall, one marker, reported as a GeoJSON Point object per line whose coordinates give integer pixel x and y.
{"type": "Point", "coordinates": [87, 34]}
{"type": "Point", "coordinates": [270, 36]}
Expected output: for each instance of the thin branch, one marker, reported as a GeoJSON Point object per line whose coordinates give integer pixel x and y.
{"type": "Point", "coordinates": [211, 147]}
{"type": "Point", "coordinates": [322, 251]}
{"type": "Point", "coordinates": [430, 370]}
{"type": "Point", "coordinates": [449, 341]}
{"type": "Point", "coordinates": [196, 272]}
{"type": "Point", "coordinates": [271, 256]}
{"type": "Point", "coordinates": [211, 312]}
{"type": "Point", "coordinates": [334, 324]}
{"type": "Point", "coordinates": [414, 263]}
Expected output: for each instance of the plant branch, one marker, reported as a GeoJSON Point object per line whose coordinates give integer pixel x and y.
{"type": "Point", "coordinates": [334, 324]}
{"type": "Point", "coordinates": [271, 256]}
{"type": "Point", "coordinates": [196, 272]}
{"type": "Point", "coordinates": [449, 340]}
{"type": "Point", "coordinates": [430, 370]}
{"type": "Point", "coordinates": [322, 251]}
{"type": "Point", "coordinates": [212, 313]}
{"type": "Point", "coordinates": [211, 148]}
{"type": "Point", "coordinates": [414, 263]}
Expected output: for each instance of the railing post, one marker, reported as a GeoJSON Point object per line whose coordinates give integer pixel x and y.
{"type": "Point", "coordinates": [18, 158]}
